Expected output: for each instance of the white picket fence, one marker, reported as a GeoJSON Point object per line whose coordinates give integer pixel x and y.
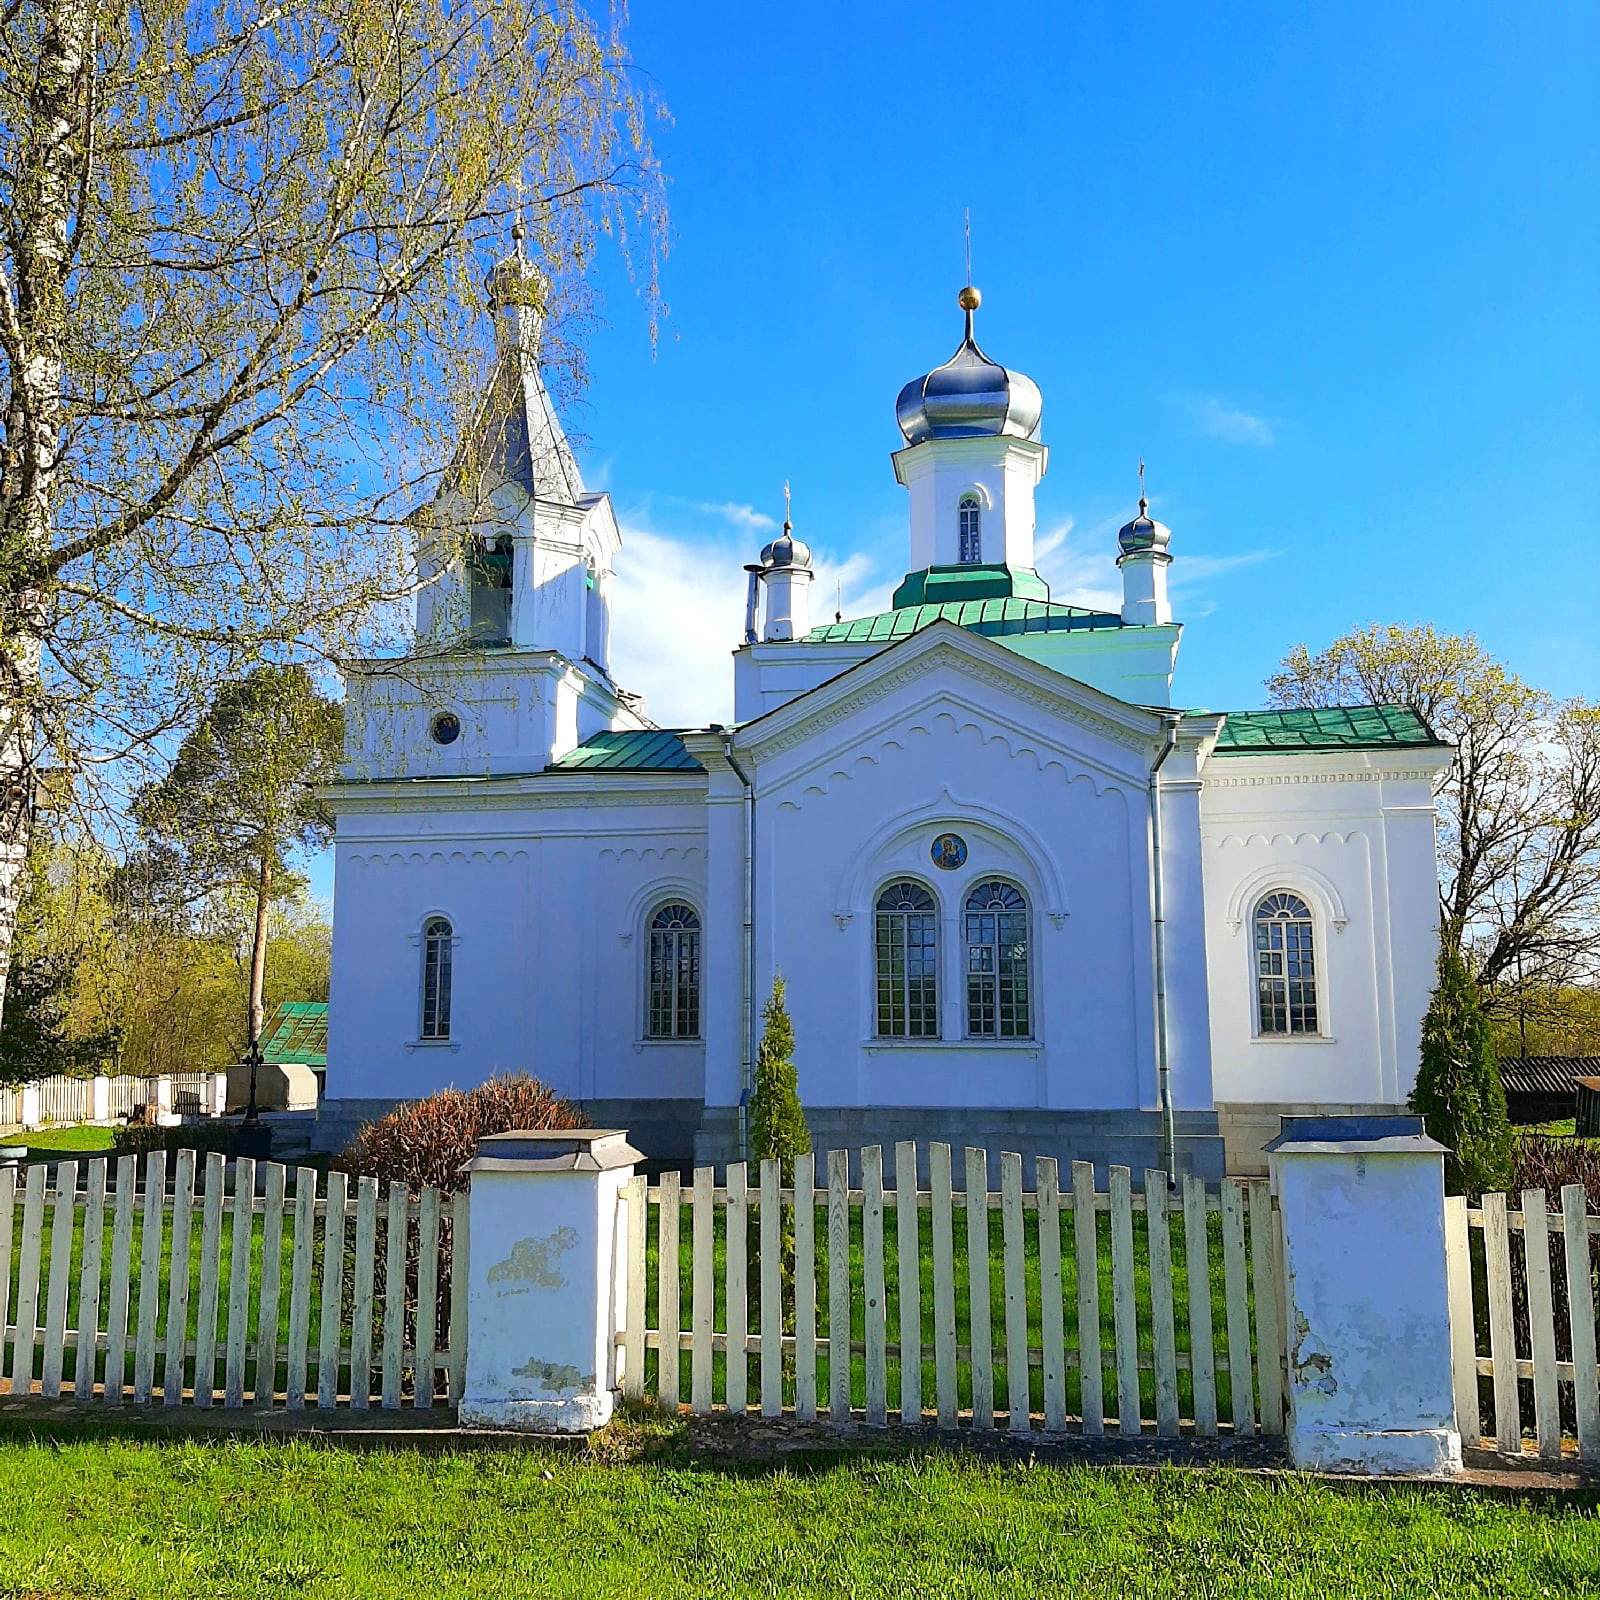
{"type": "Point", "coordinates": [1509, 1272]}
{"type": "Point", "coordinates": [873, 1309]}
{"type": "Point", "coordinates": [273, 1302]}
{"type": "Point", "coordinates": [65, 1102]}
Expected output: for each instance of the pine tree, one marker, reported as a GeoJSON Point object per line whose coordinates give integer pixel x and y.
{"type": "Point", "coordinates": [777, 1124]}
{"type": "Point", "coordinates": [1458, 1092]}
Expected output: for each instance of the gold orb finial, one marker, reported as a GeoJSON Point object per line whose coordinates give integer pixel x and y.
{"type": "Point", "coordinates": [969, 299]}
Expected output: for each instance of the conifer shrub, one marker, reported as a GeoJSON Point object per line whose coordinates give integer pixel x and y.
{"type": "Point", "coordinates": [1458, 1092]}
{"type": "Point", "coordinates": [777, 1124]}
{"type": "Point", "coordinates": [426, 1142]}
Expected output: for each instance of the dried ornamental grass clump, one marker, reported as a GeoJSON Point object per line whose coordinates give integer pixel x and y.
{"type": "Point", "coordinates": [1545, 1161]}
{"type": "Point", "coordinates": [426, 1142]}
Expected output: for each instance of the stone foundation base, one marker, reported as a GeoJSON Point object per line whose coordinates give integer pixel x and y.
{"type": "Point", "coordinates": [1107, 1138]}
{"type": "Point", "coordinates": [574, 1414]}
{"type": "Point", "coordinates": [1427, 1452]}
{"type": "Point", "coordinates": [1246, 1126]}
{"type": "Point", "coordinates": [663, 1130]}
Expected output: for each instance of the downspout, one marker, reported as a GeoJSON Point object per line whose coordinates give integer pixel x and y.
{"type": "Point", "coordinates": [1169, 1141]}
{"type": "Point", "coordinates": [748, 960]}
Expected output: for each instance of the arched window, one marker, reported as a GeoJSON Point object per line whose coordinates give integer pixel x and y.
{"type": "Point", "coordinates": [997, 962]}
{"type": "Point", "coordinates": [674, 1003]}
{"type": "Point", "coordinates": [438, 956]}
{"type": "Point", "coordinates": [907, 944]}
{"type": "Point", "coordinates": [970, 515]}
{"type": "Point", "coordinates": [1286, 965]}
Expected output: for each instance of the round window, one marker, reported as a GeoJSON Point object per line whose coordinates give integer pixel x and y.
{"type": "Point", "coordinates": [445, 728]}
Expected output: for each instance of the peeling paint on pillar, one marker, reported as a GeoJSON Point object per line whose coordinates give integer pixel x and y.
{"type": "Point", "coordinates": [1362, 1205]}
{"type": "Point", "coordinates": [544, 1280]}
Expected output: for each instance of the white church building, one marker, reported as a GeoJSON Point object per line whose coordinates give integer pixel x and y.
{"type": "Point", "coordinates": [1020, 897]}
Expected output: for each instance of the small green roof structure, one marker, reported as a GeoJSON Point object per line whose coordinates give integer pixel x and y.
{"type": "Point", "coordinates": [1262, 733]}
{"type": "Point", "coordinates": [629, 750]}
{"type": "Point", "coordinates": [297, 1034]}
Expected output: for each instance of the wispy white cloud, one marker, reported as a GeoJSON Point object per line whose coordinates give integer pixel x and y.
{"type": "Point", "coordinates": [678, 615]}
{"type": "Point", "coordinates": [744, 517]}
{"type": "Point", "coordinates": [1216, 419]}
{"type": "Point", "coordinates": [1082, 568]}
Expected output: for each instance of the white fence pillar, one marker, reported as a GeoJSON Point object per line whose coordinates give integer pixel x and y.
{"type": "Point", "coordinates": [1368, 1330]}
{"type": "Point", "coordinates": [31, 1115]}
{"type": "Point", "coordinates": [545, 1288]}
{"type": "Point", "coordinates": [100, 1098]}
{"type": "Point", "coordinates": [217, 1105]}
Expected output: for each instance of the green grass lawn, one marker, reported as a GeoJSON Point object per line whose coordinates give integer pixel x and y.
{"type": "Point", "coordinates": [52, 1144]}
{"type": "Point", "coordinates": [132, 1519]}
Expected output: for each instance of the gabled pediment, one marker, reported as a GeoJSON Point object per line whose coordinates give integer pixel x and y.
{"type": "Point", "coordinates": [982, 674]}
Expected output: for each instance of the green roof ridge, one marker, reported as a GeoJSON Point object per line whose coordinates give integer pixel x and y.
{"type": "Point", "coordinates": [995, 617]}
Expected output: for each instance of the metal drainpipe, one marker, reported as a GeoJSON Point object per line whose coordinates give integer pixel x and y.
{"type": "Point", "coordinates": [1159, 896]}
{"type": "Point", "coordinates": [748, 962]}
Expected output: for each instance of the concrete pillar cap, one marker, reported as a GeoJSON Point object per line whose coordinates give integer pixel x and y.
{"type": "Point", "coordinates": [553, 1150]}
{"type": "Point", "coordinates": [1358, 1135]}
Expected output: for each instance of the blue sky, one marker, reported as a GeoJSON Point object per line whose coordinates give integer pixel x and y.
{"type": "Point", "coordinates": [1332, 270]}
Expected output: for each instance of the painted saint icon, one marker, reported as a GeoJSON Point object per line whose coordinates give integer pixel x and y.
{"type": "Point", "coordinates": [949, 851]}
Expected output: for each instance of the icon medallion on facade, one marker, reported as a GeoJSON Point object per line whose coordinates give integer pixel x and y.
{"type": "Point", "coordinates": [949, 851]}
{"type": "Point", "coordinates": [445, 728]}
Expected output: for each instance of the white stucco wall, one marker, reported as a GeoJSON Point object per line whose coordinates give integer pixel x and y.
{"type": "Point", "coordinates": [1046, 781]}
{"type": "Point", "coordinates": [547, 885]}
{"type": "Point", "coordinates": [1352, 835]}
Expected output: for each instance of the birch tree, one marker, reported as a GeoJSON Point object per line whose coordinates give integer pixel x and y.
{"type": "Point", "coordinates": [1519, 808]}
{"type": "Point", "coordinates": [242, 251]}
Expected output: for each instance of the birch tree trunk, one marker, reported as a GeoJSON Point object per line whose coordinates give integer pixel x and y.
{"type": "Point", "coordinates": [33, 309]}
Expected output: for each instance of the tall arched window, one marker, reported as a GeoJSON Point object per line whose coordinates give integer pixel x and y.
{"type": "Point", "coordinates": [674, 1002]}
{"type": "Point", "coordinates": [970, 515]}
{"type": "Point", "coordinates": [438, 956]}
{"type": "Point", "coordinates": [907, 943]}
{"type": "Point", "coordinates": [996, 936]}
{"type": "Point", "coordinates": [1286, 965]}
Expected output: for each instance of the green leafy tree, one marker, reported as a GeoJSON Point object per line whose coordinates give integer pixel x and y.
{"type": "Point", "coordinates": [241, 801]}
{"type": "Point", "coordinates": [777, 1123]}
{"type": "Point", "coordinates": [37, 1034]}
{"type": "Point", "coordinates": [242, 256]}
{"type": "Point", "coordinates": [1519, 807]}
{"type": "Point", "coordinates": [1458, 1092]}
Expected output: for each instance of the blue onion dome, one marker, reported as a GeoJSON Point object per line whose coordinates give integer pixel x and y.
{"type": "Point", "coordinates": [1144, 532]}
{"type": "Point", "coordinates": [970, 396]}
{"type": "Point", "coordinates": [786, 551]}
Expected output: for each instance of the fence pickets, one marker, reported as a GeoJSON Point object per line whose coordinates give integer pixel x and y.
{"type": "Point", "coordinates": [1008, 1328]}
{"type": "Point", "coordinates": [1522, 1322]}
{"type": "Point", "coordinates": [231, 1285]}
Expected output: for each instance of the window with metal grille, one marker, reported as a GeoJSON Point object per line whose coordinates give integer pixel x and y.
{"type": "Point", "coordinates": [438, 942]}
{"type": "Point", "coordinates": [970, 514]}
{"type": "Point", "coordinates": [907, 943]}
{"type": "Point", "coordinates": [674, 1004]}
{"type": "Point", "coordinates": [997, 962]}
{"type": "Point", "coordinates": [1286, 967]}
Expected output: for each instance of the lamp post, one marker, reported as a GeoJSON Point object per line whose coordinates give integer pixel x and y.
{"type": "Point", "coordinates": [252, 1059]}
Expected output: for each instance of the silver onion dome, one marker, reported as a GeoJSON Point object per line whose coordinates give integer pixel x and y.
{"type": "Point", "coordinates": [786, 551]}
{"type": "Point", "coordinates": [1144, 532]}
{"type": "Point", "coordinates": [970, 396]}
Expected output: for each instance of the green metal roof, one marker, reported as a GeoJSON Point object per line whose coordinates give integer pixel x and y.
{"type": "Point", "coordinates": [1325, 728]}
{"type": "Point", "coordinates": [298, 1032]}
{"type": "Point", "coordinates": [994, 618]}
{"type": "Point", "coordinates": [629, 750]}
{"type": "Point", "coordinates": [971, 581]}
